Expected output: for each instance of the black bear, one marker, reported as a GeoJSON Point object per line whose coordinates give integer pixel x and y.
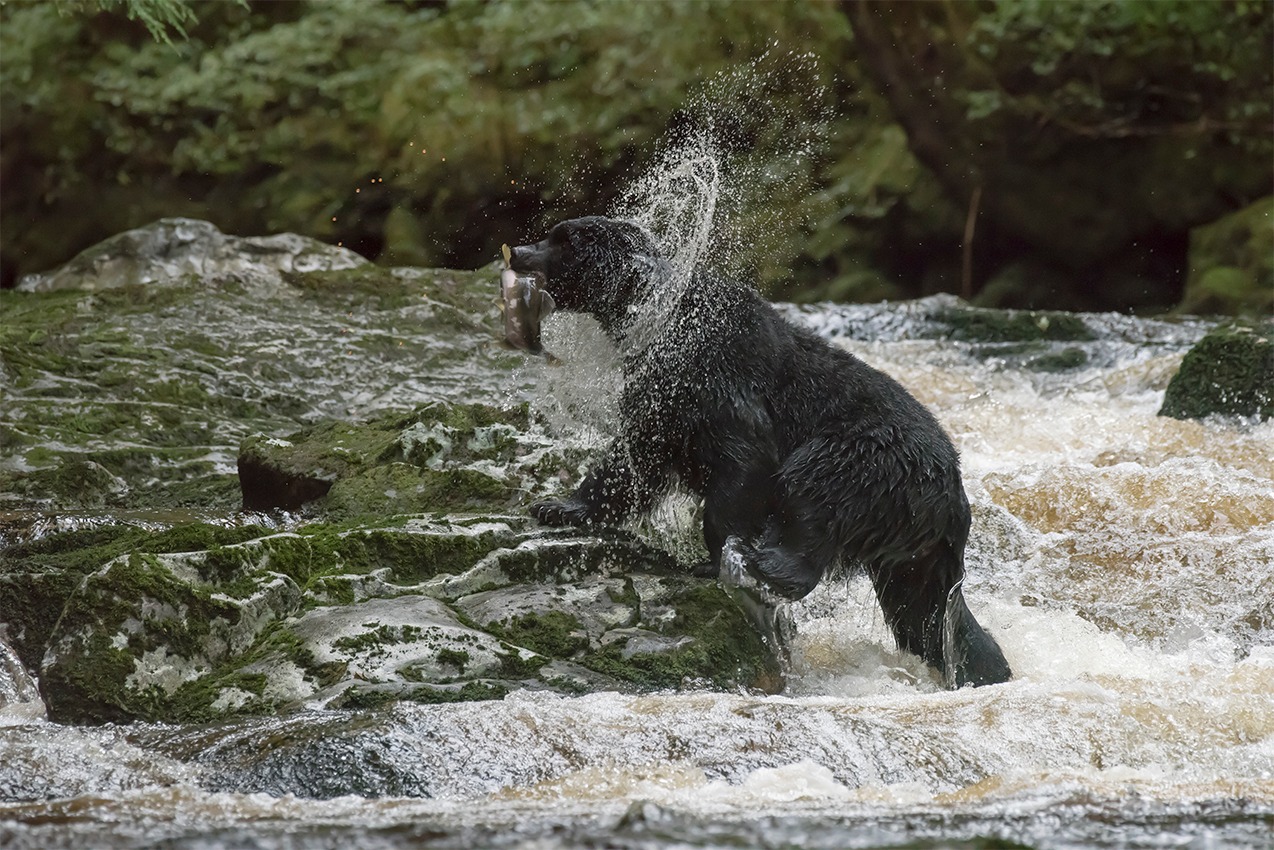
{"type": "Point", "coordinates": [805, 456]}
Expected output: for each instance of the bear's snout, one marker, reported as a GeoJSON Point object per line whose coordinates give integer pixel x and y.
{"type": "Point", "coordinates": [529, 258]}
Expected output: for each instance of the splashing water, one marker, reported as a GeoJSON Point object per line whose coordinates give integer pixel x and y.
{"type": "Point", "coordinates": [676, 202]}
{"type": "Point", "coordinates": [705, 194]}
{"type": "Point", "coordinates": [708, 191]}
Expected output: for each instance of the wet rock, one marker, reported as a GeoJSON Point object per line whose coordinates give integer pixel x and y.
{"type": "Point", "coordinates": [136, 376]}
{"type": "Point", "coordinates": [427, 611]}
{"type": "Point", "coordinates": [469, 457]}
{"type": "Point", "coordinates": [269, 478]}
{"type": "Point", "coordinates": [127, 387]}
{"type": "Point", "coordinates": [39, 576]}
{"type": "Point", "coordinates": [173, 249]}
{"type": "Point", "coordinates": [1229, 371]}
{"type": "Point", "coordinates": [318, 755]}
{"type": "Point", "coordinates": [148, 637]}
{"type": "Point", "coordinates": [975, 324]}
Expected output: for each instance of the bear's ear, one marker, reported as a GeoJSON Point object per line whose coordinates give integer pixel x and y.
{"type": "Point", "coordinates": [581, 238]}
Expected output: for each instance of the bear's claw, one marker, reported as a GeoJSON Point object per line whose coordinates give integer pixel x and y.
{"type": "Point", "coordinates": [559, 514]}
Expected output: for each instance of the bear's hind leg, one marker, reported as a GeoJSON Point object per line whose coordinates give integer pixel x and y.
{"type": "Point", "coordinates": [737, 499]}
{"type": "Point", "coordinates": [786, 563]}
{"type": "Point", "coordinates": [925, 609]}
{"type": "Point", "coordinates": [971, 656]}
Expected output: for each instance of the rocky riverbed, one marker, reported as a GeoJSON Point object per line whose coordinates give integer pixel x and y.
{"type": "Point", "coordinates": [265, 561]}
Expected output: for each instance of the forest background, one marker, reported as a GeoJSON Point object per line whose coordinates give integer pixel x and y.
{"type": "Point", "coordinates": [1079, 155]}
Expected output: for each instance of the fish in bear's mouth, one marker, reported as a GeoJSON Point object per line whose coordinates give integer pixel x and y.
{"type": "Point", "coordinates": [525, 304]}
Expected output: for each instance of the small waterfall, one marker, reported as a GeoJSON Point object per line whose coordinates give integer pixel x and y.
{"type": "Point", "coordinates": [19, 696]}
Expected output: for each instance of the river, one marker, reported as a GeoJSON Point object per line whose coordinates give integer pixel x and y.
{"type": "Point", "coordinates": [1124, 561]}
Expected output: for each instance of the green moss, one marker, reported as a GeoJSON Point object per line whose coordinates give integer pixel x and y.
{"type": "Point", "coordinates": [469, 692]}
{"type": "Point", "coordinates": [552, 563]}
{"type": "Point", "coordinates": [567, 686]}
{"type": "Point", "coordinates": [413, 558]}
{"type": "Point", "coordinates": [79, 551]}
{"type": "Point", "coordinates": [226, 565]}
{"type": "Point", "coordinates": [628, 596]}
{"type": "Point", "coordinates": [92, 692]}
{"type": "Point", "coordinates": [971, 324]}
{"type": "Point", "coordinates": [653, 671]}
{"type": "Point", "coordinates": [277, 640]}
{"type": "Point", "coordinates": [456, 658]}
{"type": "Point", "coordinates": [400, 488]}
{"type": "Point", "coordinates": [317, 555]}
{"type": "Point", "coordinates": [194, 701]}
{"type": "Point", "coordinates": [368, 286]}
{"type": "Point", "coordinates": [390, 466]}
{"type": "Point", "coordinates": [372, 642]}
{"type": "Point", "coordinates": [139, 599]}
{"type": "Point", "coordinates": [332, 590]}
{"type": "Point", "coordinates": [724, 649]}
{"type": "Point", "coordinates": [514, 666]}
{"type": "Point", "coordinates": [554, 634]}
{"type": "Point", "coordinates": [1229, 371]}
{"type": "Point", "coordinates": [357, 699]}
{"type": "Point", "coordinates": [30, 606]}
{"type": "Point", "coordinates": [1232, 264]}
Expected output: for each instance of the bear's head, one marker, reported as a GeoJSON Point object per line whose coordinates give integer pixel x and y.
{"type": "Point", "coordinates": [592, 265]}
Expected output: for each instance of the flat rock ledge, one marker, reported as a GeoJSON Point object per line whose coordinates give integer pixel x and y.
{"type": "Point", "coordinates": [425, 610]}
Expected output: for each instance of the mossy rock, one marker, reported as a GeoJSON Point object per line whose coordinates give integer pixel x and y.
{"type": "Point", "coordinates": [134, 370]}
{"type": "Point", "coordinates": [1230, 371]}
{"type": "Point", "coordinates": [1232, 264]}
{"type": "Point", "coordinates": [974, 324]}
{"type": "Point", "coordinates": [39, 576]}
{"type": "Point", "coordinates": [205, 631]}
{"type": "Point", "coordinates": [172, 250]}
{"type": "Point", "coordinates": [472, 458]}
{"type": "Point", "coordinates": [136, 640]}
{"type": "Point", "coordinates": [358, 617]}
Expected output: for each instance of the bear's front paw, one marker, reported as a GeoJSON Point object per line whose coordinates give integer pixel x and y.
{"type": "Point", "coordinates": [558, 514]}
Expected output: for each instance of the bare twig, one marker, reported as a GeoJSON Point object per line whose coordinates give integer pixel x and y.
{"type": "Point", "coordinates": [966, 266]}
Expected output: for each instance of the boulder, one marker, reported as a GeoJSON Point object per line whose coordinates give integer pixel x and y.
{"type": "Point", "coordinates": [385, 553]}
{"type": "Point", "coordinates": [172, 249]}
{"type": "Point", "coordinates": [439, 456]}
{"type": "Point", "coordinates": [425, 611]}
{"type": "Point", "coordinates": [1230, 371]}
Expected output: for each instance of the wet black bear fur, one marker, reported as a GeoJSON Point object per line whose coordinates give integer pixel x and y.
{"type": "Point", "coordinates": [805, 457]}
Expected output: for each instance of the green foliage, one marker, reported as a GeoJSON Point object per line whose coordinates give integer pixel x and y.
{"type": "Point", "coordinates": [161, 18]}
{"type": "Point", "coordinates": [1117, 68]}
{"type": "Point", "coordinates": [429, 133]}
{"type": "Point", "coordinates": [1232, 264]}
{"type": "Point", "coordinates": [481, 123]}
